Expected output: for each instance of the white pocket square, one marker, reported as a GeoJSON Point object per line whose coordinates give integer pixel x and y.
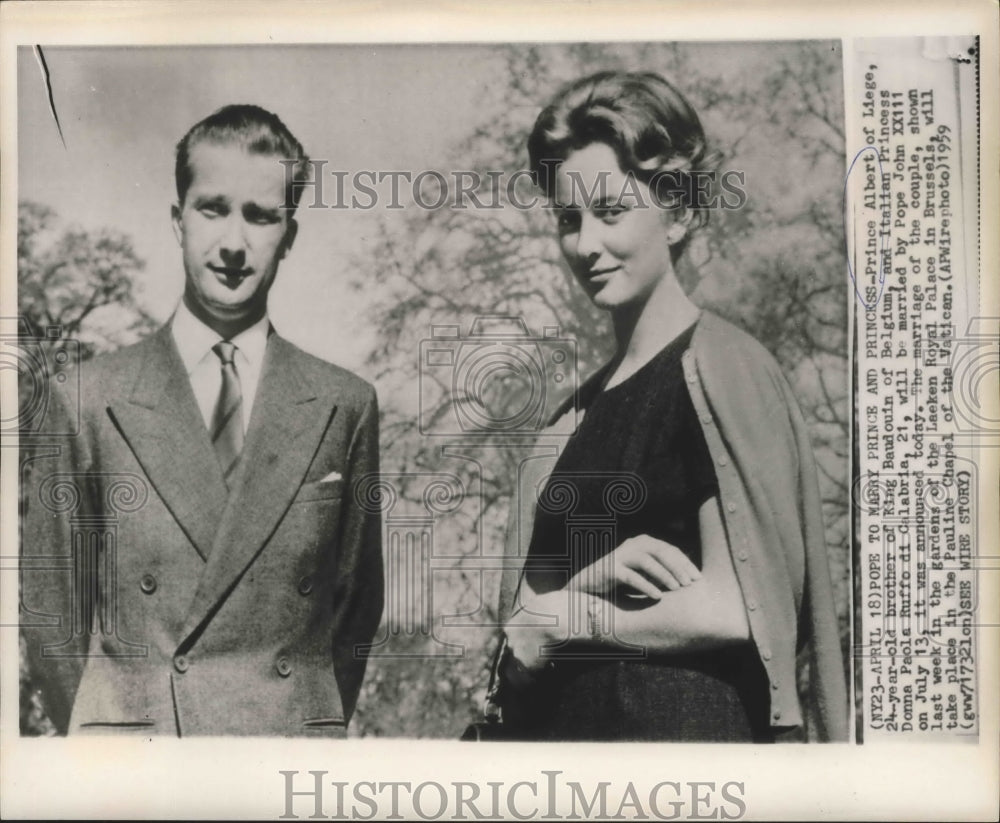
{"type": "Point", "coordinates": [332, 477]}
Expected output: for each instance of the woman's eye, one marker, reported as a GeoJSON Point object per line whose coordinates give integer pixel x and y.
{"type": "Point", "coordinates": [610, 213]}
{"type": "Point", "coordinates": [568, 220]}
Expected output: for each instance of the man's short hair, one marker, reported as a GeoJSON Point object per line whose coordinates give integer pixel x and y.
{"type": "Point", "coordinates": [256, 131]}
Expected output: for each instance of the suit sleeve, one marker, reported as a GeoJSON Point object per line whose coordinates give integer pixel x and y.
{"type": "Point", "coordinates": [358, 593]}
{"type": "Point", "coordinates": [53, 490]}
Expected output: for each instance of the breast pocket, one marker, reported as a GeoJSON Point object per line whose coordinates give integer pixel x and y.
{"type": "Point", "coordinates": [312, 492]}
{"type": "Point", "coordinates": [311, 524]}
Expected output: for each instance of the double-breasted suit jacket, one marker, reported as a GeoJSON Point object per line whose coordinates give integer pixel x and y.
{"type": "Point", "coordinates": [169, 603]}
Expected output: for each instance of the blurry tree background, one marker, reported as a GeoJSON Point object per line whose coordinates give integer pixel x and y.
{"type": "Point", "coordinates": [82, 283]}
{"type": "Point", "coordinates": [775, 267]}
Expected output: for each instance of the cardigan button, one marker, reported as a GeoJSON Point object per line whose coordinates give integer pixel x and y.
{"type": "Point", "coordinates": [774, 685]}
{"type": "Point", "coordinates": [722, 461]}
{"type": "Point", "coordinates": [765, 653]}
{"type": "Point", "coordinates": [148, 583]}
{"type": "Point", "coordinates": [744, 556]}
{"type": "Point", "coordinates": [305, 585]}
{"type": "Point", "coordinates": [706, 419]}
{"type": "Point", "coordinates": [731, 507]}
{"type": "Point", "coordinates": [181, 663]}
{"type": "Point", "coordinates": [283, 666]}
{"type": "Point", "coordinates": [752, 604]}
{"type": "Point", "coordinates": [777, 714]}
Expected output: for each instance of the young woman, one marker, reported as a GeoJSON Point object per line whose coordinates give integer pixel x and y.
{"type": "Point", "coordinates": [684, 620]}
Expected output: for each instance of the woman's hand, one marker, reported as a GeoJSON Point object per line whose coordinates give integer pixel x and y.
{"type": "Point", "coordinates": [643, 563]}
{"type": "Point", "coordinates": [544, 620]}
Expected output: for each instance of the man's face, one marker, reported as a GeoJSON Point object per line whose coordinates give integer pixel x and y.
{"type": "Point", "coordinates": [233, 233]}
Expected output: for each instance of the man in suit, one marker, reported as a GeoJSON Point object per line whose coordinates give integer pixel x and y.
{"type": "Point", "coordinates": [198, 558]}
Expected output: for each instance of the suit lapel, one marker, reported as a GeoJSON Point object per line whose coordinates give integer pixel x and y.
{"type": "Point", "coordinates": [287, 424]}
{"type": "Point", "coordinates": [164, 428]}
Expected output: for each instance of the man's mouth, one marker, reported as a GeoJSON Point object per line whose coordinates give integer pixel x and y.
{"type": "Point", "coordinates": [231, 272]}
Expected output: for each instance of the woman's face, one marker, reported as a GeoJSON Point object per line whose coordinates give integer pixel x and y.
{"type": "Point", "coordinates": [612, 233]}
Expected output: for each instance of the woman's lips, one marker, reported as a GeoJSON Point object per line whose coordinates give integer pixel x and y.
{"type": "Point", "coordinates": [601, 275]}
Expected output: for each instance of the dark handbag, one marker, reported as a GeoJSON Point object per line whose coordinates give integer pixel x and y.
{"type": "Point", "coordinates": [491, 727]}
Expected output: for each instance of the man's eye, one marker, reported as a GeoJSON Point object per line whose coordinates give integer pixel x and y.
{"type": "Point", "coordinates": [211, 210]}
{"type": "Point", "coordinates": [262, 218]}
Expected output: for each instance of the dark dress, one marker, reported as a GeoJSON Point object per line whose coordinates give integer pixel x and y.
{"type": "Point", "coordinates": [637, 464]}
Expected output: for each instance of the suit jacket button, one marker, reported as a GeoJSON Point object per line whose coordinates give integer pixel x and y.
{"type": "Point", "coordinates": [148, 583]}
{"type": "Point", "coordinates": [283, 666]}
{"type": "Point", "coordinates": [305, 585]}
{"type": "Point", "coordinates": [181, 663]}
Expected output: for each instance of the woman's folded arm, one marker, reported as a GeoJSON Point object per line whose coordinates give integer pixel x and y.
{"type": "Point", "coordinates": [708, 612]}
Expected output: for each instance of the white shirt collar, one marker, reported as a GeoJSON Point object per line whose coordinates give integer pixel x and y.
{"type": "Point", "coordinates": [194, 339]}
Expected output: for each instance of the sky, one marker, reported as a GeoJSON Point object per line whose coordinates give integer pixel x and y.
{"type": "Point", "coordinates": [122, 111]}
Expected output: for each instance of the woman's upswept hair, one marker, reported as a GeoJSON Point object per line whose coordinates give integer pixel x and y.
{"type": "Point", "coordinates": [255, 130]}
{"type": "Point", "coordinates": [653, 130]}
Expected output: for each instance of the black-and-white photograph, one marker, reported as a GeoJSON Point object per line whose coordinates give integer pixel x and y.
{"type": "Point", "coordinates": [498, 393]}
{"type": "Point", "coordinates": [611, 238]}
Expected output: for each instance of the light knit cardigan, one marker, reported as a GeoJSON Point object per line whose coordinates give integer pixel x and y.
{"type": "Point", "coordinates": [769, 495]}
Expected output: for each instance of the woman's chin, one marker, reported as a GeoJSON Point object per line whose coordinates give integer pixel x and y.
{"type": "Point", "coordinates": [603, 299]}
{"type": "Point", "coordinates": [609, 301]}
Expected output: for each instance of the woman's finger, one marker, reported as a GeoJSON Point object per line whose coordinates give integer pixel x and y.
{"type": "Point", "coordinates": [632, 578]}
{"type": "Point", "coordinates": [653, 569]}
{"type": "Point", "coordinates": [675, 561]}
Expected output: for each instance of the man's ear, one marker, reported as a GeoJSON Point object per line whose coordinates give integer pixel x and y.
{"type": "Point", "coordinates": [175, 221]}
{"type": "Point", "coordinates": [290, 234]}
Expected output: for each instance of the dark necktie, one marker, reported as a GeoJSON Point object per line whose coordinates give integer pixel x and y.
{"type": "Point", "coordinates": [227, 420]}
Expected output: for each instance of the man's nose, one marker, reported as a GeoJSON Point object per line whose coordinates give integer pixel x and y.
{"type": "Point", "coordinates": [232, 244]}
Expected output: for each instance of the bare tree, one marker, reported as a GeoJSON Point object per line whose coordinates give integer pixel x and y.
{"type": "Point", "coordinates": [81, 281]}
